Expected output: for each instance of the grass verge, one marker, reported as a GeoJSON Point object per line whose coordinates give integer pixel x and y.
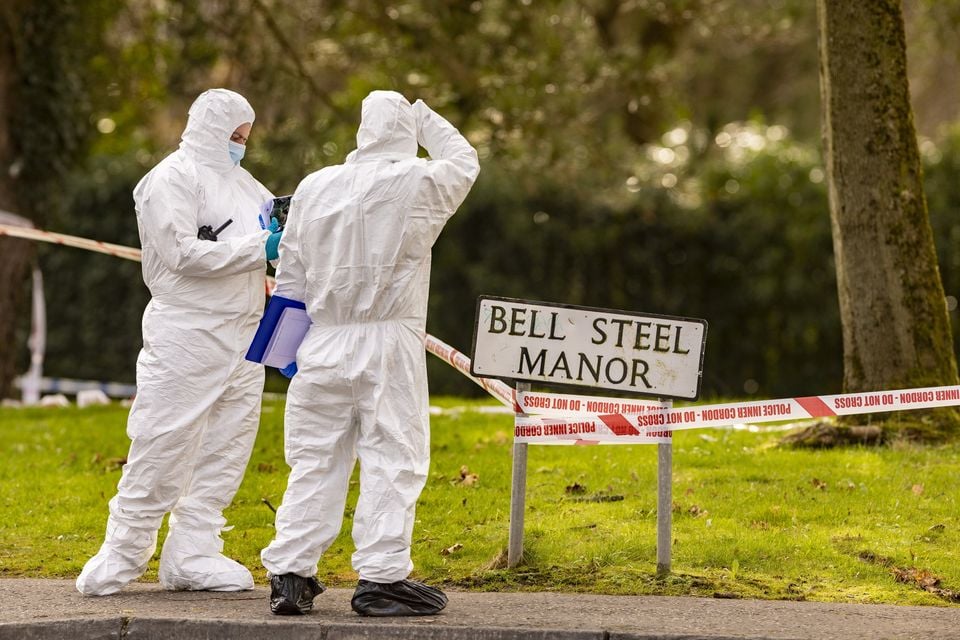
{"type": "Point", "coordinates": [750, 519]}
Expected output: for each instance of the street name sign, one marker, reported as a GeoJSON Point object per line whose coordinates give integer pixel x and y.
{"type": "Point", "coordinates": [638, 353]}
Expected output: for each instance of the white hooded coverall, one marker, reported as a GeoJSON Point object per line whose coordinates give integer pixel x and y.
{"type": "Point", "coordinates": [356, 250]}
{"type": "Point", "coordinates": [194, 419]}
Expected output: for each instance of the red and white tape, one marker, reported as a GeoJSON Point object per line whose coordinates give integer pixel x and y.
{"type": "Point", "coordinates": [461, 363]}
{"type": "Point", "coordinates": [615, 426]}
{"type": "Point", "coordinates": [566, 405]}
{"type": "Point", "coordinates": [120, 251]}
{"type": "Point", "coordinates": [555, 418]}
{"type": "Point", "coordinates": [116, 250]}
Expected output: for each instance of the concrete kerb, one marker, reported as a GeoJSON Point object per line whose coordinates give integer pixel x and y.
{"type": "Point", "coordinates": [75, 629]}
{"type": "Point", "coordinates": [183, 629]}
{"type": "Point", "coordinates": [178, 629]}
{"type": "Point", "coordinates": [34, 609]}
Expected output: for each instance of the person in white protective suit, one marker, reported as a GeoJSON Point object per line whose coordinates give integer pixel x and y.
{"type": "Point", "coordinates": [197, 408]}
{"type": "Point", "coordinates": [356, 250]}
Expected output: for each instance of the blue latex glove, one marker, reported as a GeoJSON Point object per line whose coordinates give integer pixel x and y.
{"type": "Point", "coordinates": [273, 226]}
{"type": "Point", "coordinates": [273, 245]}
{"type": "Point", "coordinates": [290, 370]}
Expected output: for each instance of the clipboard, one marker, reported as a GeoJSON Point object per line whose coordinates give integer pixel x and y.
{"type": "Point", "coordinates": [283, 327]}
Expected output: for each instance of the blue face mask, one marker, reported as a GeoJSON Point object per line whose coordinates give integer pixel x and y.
{"type": "Point", "coordinates": [236, 151]}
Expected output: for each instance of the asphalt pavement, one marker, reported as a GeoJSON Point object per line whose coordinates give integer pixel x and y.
{"type": "Point", "coordinates": [47, 609]}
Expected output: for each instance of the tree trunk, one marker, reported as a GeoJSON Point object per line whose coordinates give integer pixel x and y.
{"type": "Point", "coordinates": [14, 254]}
{"type": "Point", "coordinates": [896, 330]}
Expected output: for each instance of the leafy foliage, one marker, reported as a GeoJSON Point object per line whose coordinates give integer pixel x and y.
{"type": "Point", "coordinates": [659, 157]}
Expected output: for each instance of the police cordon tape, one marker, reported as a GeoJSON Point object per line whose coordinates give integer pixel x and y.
{"type": "Point", "coordinates": [445, 352]}
{"type": "Point", "coordinates": [116, 250]}
{"type": "Point", "coordinates": [560, 418]}
{"type": "Point", "coordinates": [461, 363]}
{"type": "Point", "coordinates": [120, 251]}
{"type": "Point", "coordinates": [554, 418]}
{"type": "Point", "coordinates": [625, 421]}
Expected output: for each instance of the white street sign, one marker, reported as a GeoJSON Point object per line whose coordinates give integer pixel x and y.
{"type": "Point", "coordinates": [562, 344]}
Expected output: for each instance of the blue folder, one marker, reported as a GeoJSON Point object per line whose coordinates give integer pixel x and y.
{"type": "Point", "coordinates": [264, 337]}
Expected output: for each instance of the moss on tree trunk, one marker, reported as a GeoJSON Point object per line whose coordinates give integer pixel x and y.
{"type": "Point", "coordinates": [896, 330]}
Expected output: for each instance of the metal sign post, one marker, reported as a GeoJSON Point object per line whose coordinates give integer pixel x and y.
{"type": "Point", "coordinates": [664, 505]}
{"type": "Point", "coordinates": [518, 496]}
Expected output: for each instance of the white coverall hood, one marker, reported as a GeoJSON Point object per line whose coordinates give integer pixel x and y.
{"type": "Point", "coordinates": [388, 130]}
{"type": "Point", "coordinates": [212, 119]}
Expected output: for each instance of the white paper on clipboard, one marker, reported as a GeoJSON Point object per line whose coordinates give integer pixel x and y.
{"type": "Point", "coordinates": [291, 329]}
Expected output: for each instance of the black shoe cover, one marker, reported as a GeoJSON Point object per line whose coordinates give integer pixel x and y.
{"type": "Point", "coordinates": [404, 598]}
{"type": "Point", "coordinates": [291, 595]}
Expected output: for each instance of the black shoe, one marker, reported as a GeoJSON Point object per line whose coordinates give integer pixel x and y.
{"type": "Point", "coordinates": [404, 598]}
{"type": "Point", "coordinates": [291, 595]}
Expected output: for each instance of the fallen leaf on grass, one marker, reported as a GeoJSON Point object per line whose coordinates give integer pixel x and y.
{"type": "Point", "coordinates": [694, 510]}
{"type": "Point", "coordinates": [456, 547]}
{"type": "Point", "coordinates": [924, 579]}
{"type": "Point", "coordinates": [467, 478]}
{"type": "Point", "coordinates": [920, 578]}
{"type": "Point", "coordinates": [917, 489]}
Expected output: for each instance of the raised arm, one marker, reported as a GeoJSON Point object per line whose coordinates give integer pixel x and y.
{"type": "Point", "coordinates": [453, 165]}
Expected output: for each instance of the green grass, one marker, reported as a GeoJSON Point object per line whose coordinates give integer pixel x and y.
{"type": "Point", "coordinates": [750, 519]}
